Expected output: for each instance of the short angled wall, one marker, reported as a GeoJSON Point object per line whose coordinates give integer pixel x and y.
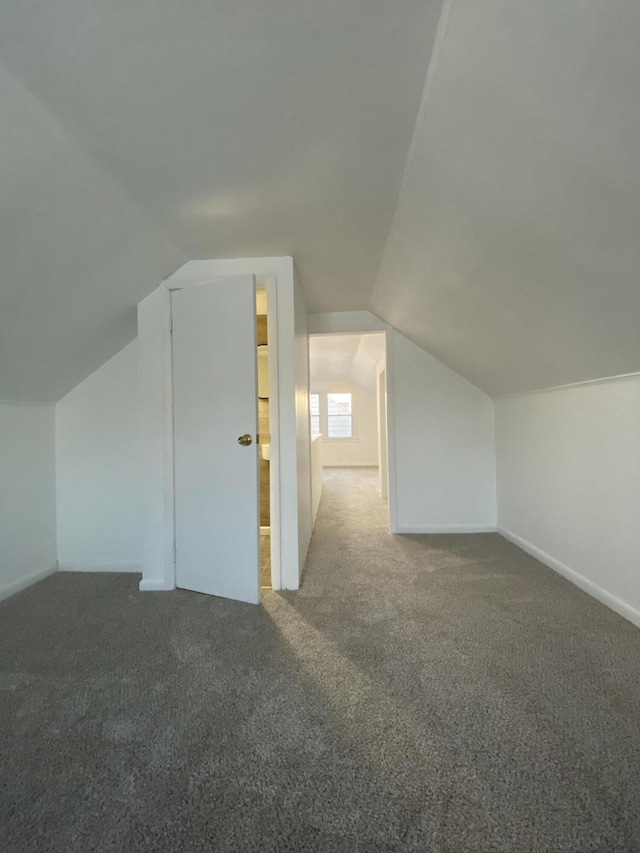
{"type": "Point", "coordinates": [613, 601]}
{"type": "Point", "coordinates": [568, 468]}
{"type": "Point", "coordinates": [98, 448]}
{"type": "Point", "coordinates": [26, 580]}
{"type": "Point", "coordinates": [27, 496]}
{"type": "Point", "coordinates": [101, 566]}
{"type": "Point", "coordinates": [447, 528]}
{"type": "Point", "coordinates": [443, 430]}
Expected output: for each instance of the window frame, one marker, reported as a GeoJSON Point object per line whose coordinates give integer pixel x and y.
{"type": "Point", "coordinates": [322, 393]}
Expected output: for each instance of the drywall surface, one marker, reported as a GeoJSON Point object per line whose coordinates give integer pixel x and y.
{"type": "Point", "coordinates": [303, 437]}
{"type": "Point", "coordinates": [333, 89]}
{"type": "Point", "coordinates": [513, 254]}
{"type": "Point", "coordinates": [568, 464]}
{"type": "Point", "coordinates": [316, 475]}
{"type": "Point", "coordinates": [76, 251]}
{"type": "Point", "coordinates": [98, 453]}
{"type": "Point", "coordinates": [362, 449]}
{"type": "Point", "coordinates": [27, 495]}
{"type": "Point", "coordinates": [443, 434]}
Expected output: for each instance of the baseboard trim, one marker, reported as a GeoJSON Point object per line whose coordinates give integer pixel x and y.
{"type": "Point", "coordinates": [448, 528]}
{"type": "Point", "coordinates": [607, 598]}
{"type": "Point", "coordinates": [152, 585]}
{"type": "Point", "coordinates": [22, 583]}
{"type": "Point", "coordinates": [102, 566]}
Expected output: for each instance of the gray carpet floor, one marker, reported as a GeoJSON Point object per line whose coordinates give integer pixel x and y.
{"type": "Point", "coordinates": [420, 693]}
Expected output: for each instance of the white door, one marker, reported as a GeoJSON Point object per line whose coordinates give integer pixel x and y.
{"type": "Point", "coordinates": [215, 403]}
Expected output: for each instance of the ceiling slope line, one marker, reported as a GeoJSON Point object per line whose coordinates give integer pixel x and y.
{"type": "Point", "coordinates": [42, 403]}
{"type": "Point", "coordinates": [621, 377]}
{"type": "Point", "coordinates": [69, 137]}
{"type": "Point", "coordinates": [432, 72]}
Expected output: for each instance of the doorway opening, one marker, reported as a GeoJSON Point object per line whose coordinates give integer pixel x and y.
{"type": "Point", "coordinates": [264, 435]}
{"type": "Point", "coordinates": [348, 404]}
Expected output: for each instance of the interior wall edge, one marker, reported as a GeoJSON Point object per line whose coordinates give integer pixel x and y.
{"type": "Point", "coordinates": [155, 585]}
{"type": "Point", "coordinates": [345, 322]}
{"type": "Point", "coordinates": [43, 403]}
{"type": "Point", "coordinates": [582, 384]}
{"type": "Point", "coordinates": [613, 602]}
{"type": "Point", "coordinates": [447, 528]}
{"type": "Point", "coordinates": [134, 567]}
{"type": "Point", "coordinates": [18, 585]}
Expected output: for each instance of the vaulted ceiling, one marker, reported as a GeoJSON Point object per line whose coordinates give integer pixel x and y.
{"type": "Point", "coordinates": [499, 231]}
{"type": "Point", "coordinates": [352, 358]}
{"type": "Point", "coordinates": [514, 254]}
{"type": "Point", "coordinates": [140, 135]}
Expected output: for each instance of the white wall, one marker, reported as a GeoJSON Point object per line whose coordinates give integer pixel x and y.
{"type": "Point", "coordinates": [303, 437]}
{"type": "Point", "coordinates": [443, 434]}
{"type": "Point", "coordinates": [383, 452]}
{"type": "Point", "coordinates": [98, 451]}
{"type": "Point", "coordinates": [569, 484]}
{"type": "Point", "coordinates": [27, 495]}
{"type": "Point", "coordinates": [316, 476]}
{"type": "Point", "coordinates": [363, 449]}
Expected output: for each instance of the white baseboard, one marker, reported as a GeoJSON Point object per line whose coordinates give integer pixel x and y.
{"type": "Point", "coordinates": [448, 528]}
{"type": "Point", "coordinates": [609, 599]}
{"type": "Point", "coordinates": [22, 583]}
{"type": "Point", "coordinates": [153, 585]}
{"type": "Point", "coordinates": [101, 566]}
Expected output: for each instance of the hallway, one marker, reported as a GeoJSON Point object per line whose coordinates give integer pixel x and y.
{"type": "Point", "coordinates": [441, 693]}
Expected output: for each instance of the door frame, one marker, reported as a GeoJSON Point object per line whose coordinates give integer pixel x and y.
{"type": "Point", "coordinates": [156, 371]}
{"type": "Point", "coordinates": [269, 284]}
{"type": "Point", "coordinates": [206, 584]}
{"type": "Point", "coordinates": [361, 323]}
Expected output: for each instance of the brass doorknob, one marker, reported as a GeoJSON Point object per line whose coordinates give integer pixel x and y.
{"type": "Point", "coordinates": [245, 440]}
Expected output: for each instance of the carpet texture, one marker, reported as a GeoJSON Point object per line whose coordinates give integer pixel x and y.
{"type": "Point", "coordinates": [420, 693]}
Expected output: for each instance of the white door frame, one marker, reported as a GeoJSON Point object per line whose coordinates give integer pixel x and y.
{"type": "Point", "coordinates": [268, 283]}
{"type": "Point", "coordinates": [359, 323]}
{"type": "Point", "coordinates": [204, 471]}
{"type": "Point", "coordinates": [154, 338]}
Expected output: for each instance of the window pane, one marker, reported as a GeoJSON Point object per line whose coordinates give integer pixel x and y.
{"type": "Point", "coordinates": [314, 411]}
{"type": "Point", "coordinates": [339, 426]}
{"type": "Point", "coordinates": [339, 404]}
{"type": "Point", "coordinates": [339, 420]}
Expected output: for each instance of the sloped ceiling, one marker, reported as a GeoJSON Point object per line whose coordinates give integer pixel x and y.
{"type": "Point", "coordinates": [76, 255]}
{"type": "Point", "coordinates": [145, 134]}
{"type": "Point", "coordinates": [514, 255]}
{"type": "Point", "coordinates": [139, 135]}
{"type": "Point", "coordinates": [346, 357]}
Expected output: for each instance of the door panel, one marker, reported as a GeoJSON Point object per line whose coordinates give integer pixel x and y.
{"type": "Point", "coordinates": [215, 402]}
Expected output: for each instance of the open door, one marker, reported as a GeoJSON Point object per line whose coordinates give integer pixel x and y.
{"type": "Point", "coordinates": [217, 532]}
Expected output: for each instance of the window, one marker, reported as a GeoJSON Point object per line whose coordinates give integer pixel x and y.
{"type": "Point", "coordinates": [314, 411]}
{"type": "Point", "coordinates": [339, 416]}
{"type": "Point", "coordinates": [332, 415]}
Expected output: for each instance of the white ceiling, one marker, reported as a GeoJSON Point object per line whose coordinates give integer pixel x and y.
{"type": "Point", "coordinates": [514, 255]}
{"type": "Point", "coordinates": [139, 135]}
{"type": "Point", "coordinates": [145, 134]}
{"type": "Point", "coordinates": [76, 255]}
{"type": "Point", "coordinates": [351, 358]}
